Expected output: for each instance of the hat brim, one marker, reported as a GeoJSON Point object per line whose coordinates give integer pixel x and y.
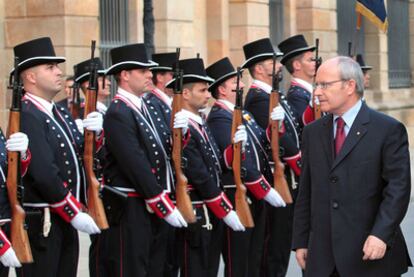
{"type": "Point", "coordinates": [161, 68]}
{"type": "Point", "coordinates": [190, 78]}
{"type": "Point", "coordinates": [366, 67]}
{"type": "Point", "coordinates": [129, 65]}
{"type": "Point", "coordinates": [84, 77]}
{"type": "Point", "coordinates": [220, 80]}
{"type": "Point", "coordinates": [34, 61]}
{"type": "Point", "coordinates": [258, 58]}
{"type": "Point", "coordinates": [295, 53]}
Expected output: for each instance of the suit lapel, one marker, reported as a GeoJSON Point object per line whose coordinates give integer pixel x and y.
{"type": "Point", "coordinates": [357, 131]}
{"type": "Point", "coordinates": [327, 137]}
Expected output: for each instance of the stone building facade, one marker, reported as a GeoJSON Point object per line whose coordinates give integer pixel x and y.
{"type": "Point", "coordinates": [212, 28]}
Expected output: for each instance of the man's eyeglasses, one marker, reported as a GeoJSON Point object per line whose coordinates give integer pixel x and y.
{"type": "Point", "coordinates": [325, 85]}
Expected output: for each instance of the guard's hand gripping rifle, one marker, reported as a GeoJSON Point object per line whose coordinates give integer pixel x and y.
{"type": "Point", "coordinates": [15, 189]}
{"type": "Point", "coordinates": [95, 205]}
{"type": "Point", "coordinates": [242, 207]}
{"type": "Point", "coordinates": [279, 181]}
{"type": "Point", "coordinates": [318, 61]}
{"type": "Point", "coordinates": [182, 197]}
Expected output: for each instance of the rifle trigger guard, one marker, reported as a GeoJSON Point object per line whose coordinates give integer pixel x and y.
{"type": "Point", "coordinates": [184, 162]}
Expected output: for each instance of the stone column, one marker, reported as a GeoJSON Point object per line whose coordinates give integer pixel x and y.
{"type": "Point", "coordinates": [317, 19]}
{"type": "Point", "coordinates": [217, 30]}
{"type": "Point", "coordinates": [249, 21]}
{"type": "Point", "coordinates": [411, 24]}
{"type": "Point", "coordinates": [71, 24]}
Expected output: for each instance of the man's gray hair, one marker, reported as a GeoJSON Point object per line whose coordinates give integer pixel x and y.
{"type": "Point", "coordinates": [350, 69]}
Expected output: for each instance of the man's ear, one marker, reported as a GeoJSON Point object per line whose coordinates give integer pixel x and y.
{"type": "Point", "coordinates": [30, 76]}
{"type": "Point", "coordinates": [296, 65]}
{"type": "Point", "coordinates": [124, 75]}
{"type": "Point", "coordinates": [351, 86]}
{"type": "Point", "coordinates": [221, 91]}
{"type": "Point", "coordinates": [186, 93]}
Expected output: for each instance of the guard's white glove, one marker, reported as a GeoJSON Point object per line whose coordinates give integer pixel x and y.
{"type": "Point", "coordinates": [9, 259]}
{"type": "Point", "coordinates": [18, 142]}
{"type": "Point", "coordinates": [84, 223]}
{"type": "Point", "coordinates": [79, 124]}
{"type": "Point", "coordinates": [181, 121]}
{"type": "Point", "coordinates": [278, 113]}
{"type": "Point", "coordinates": [93, 122]}
{"type": "Point", "coordinates": [274, 198]}
{"type": "Point", "coordinates": [232, 220]}
{"type": "Point", "coordinates": [240, 136]}
{"type": "Point", "coordinates": [316, 101]}
{"type": "Point", "coordinates": [176, 219]}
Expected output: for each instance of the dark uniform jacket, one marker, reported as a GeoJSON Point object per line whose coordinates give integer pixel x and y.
{"type": "Point", "coordinates": [298, 98]}
{"type": "Point", "coordinates": [256, 162]}
{"type": "Point", "coordinates": [160, 101]}
{"type": "Point", "coordinates": [136, 140]}
{"type": "Point", "coordinates": [364, 191]}
{"type": "Point", "coordinates": [56, 146]}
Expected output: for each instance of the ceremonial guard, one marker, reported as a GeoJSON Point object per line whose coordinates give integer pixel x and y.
{"type": "Point", "coordinates": [242, 251]}
{"type": "Point", "coordinates": [365, 70]}
{"type": "Point", "coordinates": [54, 183]}
{"type": "Point", "coordinates": [200, 244]}
{"type": "Point", "coordinates": [138, 173]}
{"type": "Point", "coordinates": [300, 63]}
{"type": "Point", "coordinates": [259, 61]}
{"type": "Point", "coordinates": [161, 96]}
{"type": "Point", "coordinates": [67, 101]}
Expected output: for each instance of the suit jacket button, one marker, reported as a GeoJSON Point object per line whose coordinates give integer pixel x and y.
{"type": "Point", "coordinates": [334, 179]}
{"type": "Point", "coordinates": [335, 205]}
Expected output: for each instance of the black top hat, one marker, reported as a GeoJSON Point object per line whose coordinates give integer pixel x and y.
{"type": "Point", "coordinates": [193, 71]}
{"type": "Point", "coordinates": [258, 51]}
{"type": "Point", "coordinates": [220, 71]}
{"type": "Point", "coordinates": [35, 52]}
{"type": "Point", "coordinates": [294, 46]}
{"type": "Point", "coordinates": [165, 61]}
{"type": "Point", "coordinates": [129, 57]}
{"type": "Point", "coordinates": [362, 64]}
{"type": "Point", "coordinates": [82, 70]}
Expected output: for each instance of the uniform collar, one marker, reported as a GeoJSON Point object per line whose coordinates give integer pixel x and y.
{"type": "Point", "coordinates": [163, 96]}
{"type": "Point", "coordinates": [136, 100]}
{"type": "Point", "coordinates": [195, 117]}
{"type": "Point", "coordinates": [47, 105]}
{"type": "Point", "coordinates": [303, 84]}
{"type": "Point", "coordinates": [266, 87]}
{"type": "Point", "coordinates": [228, 104]}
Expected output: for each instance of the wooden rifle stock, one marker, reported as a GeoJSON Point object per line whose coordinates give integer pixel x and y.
{"type": "Point", "coordinates": [95, 206]}
{"type": "Point", "coordinates": [18, 233]}
{"type": "Point", "coordinates": [318, 61]}
{"type": "Point", "coordinates": [279, 181]}
{"type": "Point", "coordinates": [183, 200]}
{"type": "Point", "coordinates": [242, 207]}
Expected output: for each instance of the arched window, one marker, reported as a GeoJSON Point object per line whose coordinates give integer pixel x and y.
{"type": "Point", "coordinates": [346, 18]}
{"type": "Point", "coordinates": [399, 72]}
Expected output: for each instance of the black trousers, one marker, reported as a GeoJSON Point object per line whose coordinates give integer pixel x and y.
{"type": "Point", "coordinates": [278, 241]}
{"type": "Point", "coordinates": [199, 247]}
{"type": "Point", "coordinates": [55, 255]}
{"type": "Point", "coordinates": [134, 247]}
{"type": "Point", "coordinates": [242, 251]}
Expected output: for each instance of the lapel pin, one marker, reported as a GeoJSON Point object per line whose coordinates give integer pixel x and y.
{"type": "Point", "coordinates": [358, 133]}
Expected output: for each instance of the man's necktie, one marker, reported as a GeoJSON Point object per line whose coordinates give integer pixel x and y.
{"type": "Point", "coordinates": [340, 135]}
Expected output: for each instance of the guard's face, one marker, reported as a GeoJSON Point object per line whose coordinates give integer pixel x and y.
{"type": "Point", "coordinates": [367, 78]}
{"type": "Point", "coordinates": [229, 88]}
{"type": "Point", "coordinates": [104, 91]}
{"type": "Point", "coordinates": [333, 93]}
{"type": "Point", "coordinates": [307, 64]}
{"type": "Point", "coordinates": [68, 88]}
{"type": "Point", "coordinates": [198, 96]}
{"type": "Point", "coordinates": [139, 80]}
{"type": "Point", "coordinates": [267, 67]}
{"type": "Point", "coordinates": [48, 78]}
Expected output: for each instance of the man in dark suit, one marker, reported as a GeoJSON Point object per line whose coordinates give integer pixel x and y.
{"type": "Point", "coordinates": [355, 183]}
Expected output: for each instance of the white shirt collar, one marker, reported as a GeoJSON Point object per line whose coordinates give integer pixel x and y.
{"type": "Point", "coordinates": [167, 99]}
{"type": "Point", "coordinates": [197, 118]}
{"type": "Point", "coordinates": [349, 116]}
{"type": "Point", "coordinates": [136, 100]}
{"type": "Point", "coordinates": [48, 105]}
{"type": "Point", "coordinates": [228, 104]}
{"type": "Point", "coordinates": [266, 87]}
{"type": "Point", "coordinates": [304, 84]}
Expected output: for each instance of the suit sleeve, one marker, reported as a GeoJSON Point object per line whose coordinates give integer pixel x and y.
{"type": "Point", "coordinates": [301, 219]}
{"type": "Point", "coordinates": [122, 140]}
{"type": "Point", "coordinates": [396, 193]}
{"type": "Point", "coordinates": [43, 169]}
